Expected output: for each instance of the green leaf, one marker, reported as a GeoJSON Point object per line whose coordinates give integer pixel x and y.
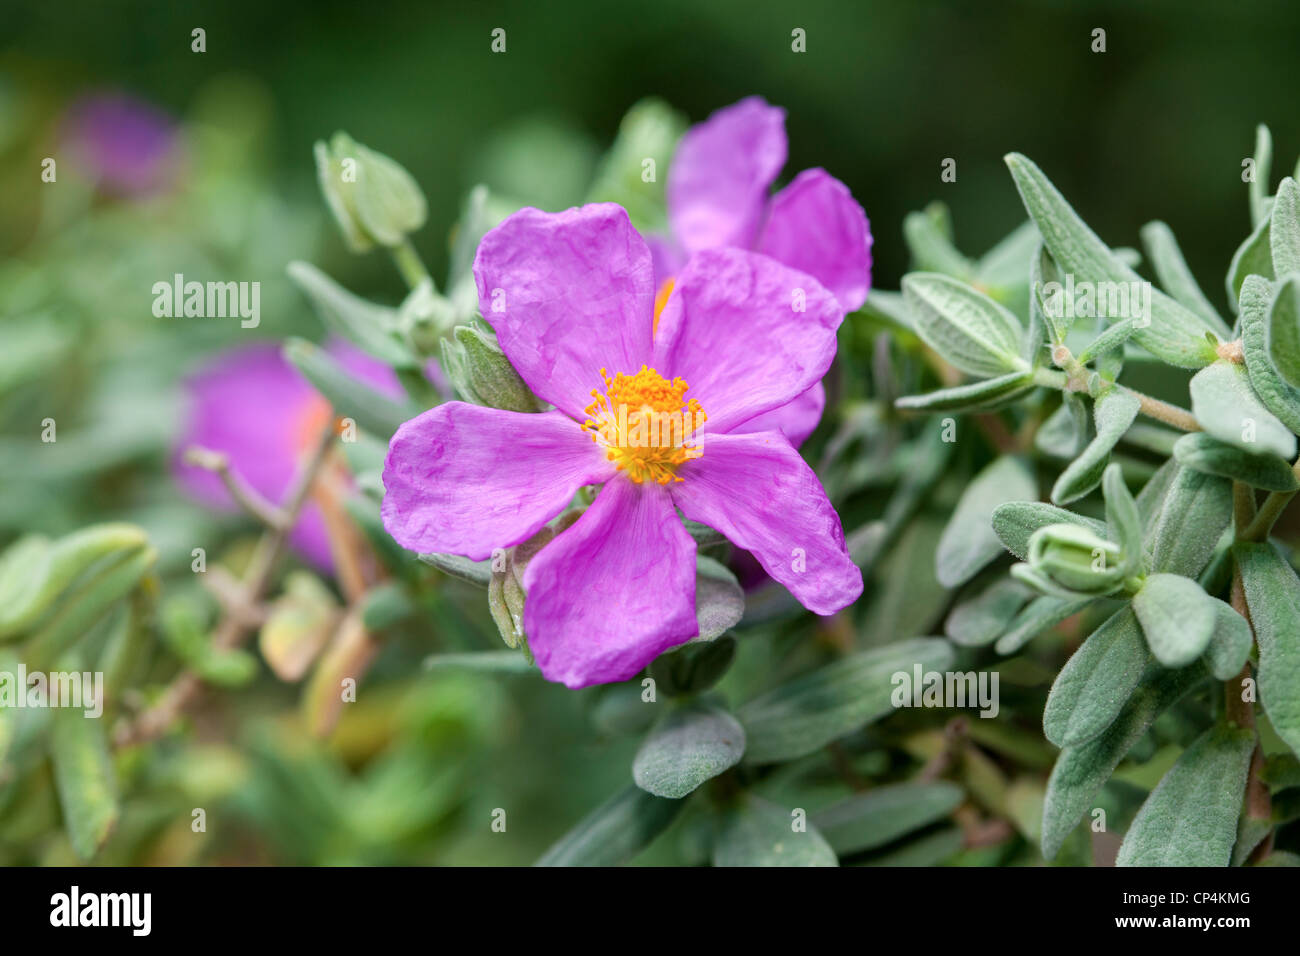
{"type": "Point", "coordinates": [1226, 407]}
{"type": "Point", "coordinates": [1065, 432]}
{"type": "Point", "coordinates": [1039, 615]}
{"type": "Point", "coordinates": [1259, 201]}
{"type": "Point", "coordinates": [1113, 413]}
{"type": "Point", "coordinates": [1176, 278]}
{"type": "Point", "coordinates": [931, 849]}
{"type": "Point", "coordinates": [1190, 818]}
{"type": "Point", "coordinates": [34, 572]}
{"type": "Point", "coordinates": [1175, 333]}
{"type": "Point", "coordinates": [474, 572]}
{"type": "Point", "coordinates": [757, 833]}
{"type": "Point", "coordinates": [488, 662]}
{"type": "Point", "coordinates": [1042, 272]}
{"type": "Point", "coordinates": [1205, 453]}
{"type": "Point", "coordinates": [1284, 330]}
{"type": "Point", "coordinates": [1111, 340]}
{"type": "Point", "coordinates": [719, 600]}
{"type": "Point", "coordinates": [931, 248]}
{"type": "Point", "coordinates": [184, 635]}
{"type": "Point", "coordinates": [1284, 230]}
{"type": "Point", "coordinates": [1015, 523]}
{"type": "Point", "coordinates": [979, 620]}
{"type": "Point", "coordinates": [373, 328]}
{"type": "Point", "coordinates": [350, 398]}
{"type": "Point", "coordinates": [648, 131]}
{"type": "Point", "coordinates": [973, 396]}
{"type": "Point", "coordinates": [1273, 597]}
{"type": "Point", "coordinates": [1278, 397]}
{"type": "Point", "coordinates": [1096, 682]}
{"type": "Point", "coordinates": [1196, 510]}
{"type": "Point", "coordinates": [839, 698]}
{"type": "Point", "coordinates": [693, 744]}
{"type": "Point", "coordinates": [1254, 257]}
{"type": "Point", "coordinates": [483, 375]}
{"type": "Point", "coordinates": [1177, 617]}
{"type": "Point", "coordinates": [1229, 644]}
{"type": "Point", "coordinates": [969, 542]}
{"type": "Point", "coordinates": [1081, 770]}
{"type": "Point", "coordinates": [83, 774]}
{"type": "Point", "coordinates": [967, 328]}
{"type": "Point", "coordinates": [881, 815]}
{"type": "Point", "coordinates": [694, 666]}
{"type": "Point", "coordinates": [615, 831]}
{"type": "Point", "coordinates": [1123, 523]}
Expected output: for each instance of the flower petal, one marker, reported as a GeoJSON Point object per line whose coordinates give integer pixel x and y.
{"type": "Point", "coordinates": [614, 591]}
{"type": "Point", "coordinates": [795, 420]}
{"type": "Point", "coordinates": [462, 479]}
{"type": "Point", "coordinates": [815, 225]}
{"type": "Point", "coordinates": [756, 490]}
{"type": "Point", "coordinates": [568, 294]}
{"type": "Point", "coordinates": [721, 172]}
{"type": "Point", "coordinates": [733, 331]}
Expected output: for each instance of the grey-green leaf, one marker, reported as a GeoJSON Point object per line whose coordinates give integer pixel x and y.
{"type": "Point", "coordinates": [836, 699]}
{"type": "Point", "coordinates": [693, 744]}
{"type": "Point", "coordinates": [1195, 512]}
{"type": "Point", "coordinates": [965, 327]}
{"type": "Point", "coordinates": [474, 572]}
{"type": "Point", "coordinates": [615, 831]}
{"type": "Point", "coordinates": [1227, 407]}
{"type": "Point", "coordinates": [1230, 643]}
{"type": "Point", "coordinates": [1284, 230]}
{"type": "Point", "coordinates": [1281, 399]}
{"type": "Point", "coordinates": [1113, 413]}
{"type": "Point", "coordinates": [1175, 276]}
{"type": "Point", "coordinates": [1284, 330]}
{"type": "Point", "coordinates": [1039, 615]}
{"type": "Point", "coordinates": [973, 396]}
{"type": "Point", "coordinates": [1206, 453]}
{"type": "Point", "coordinates": [1096, 682]}
{"type": "Point", "coordinates": [1190, 818]}
{"type": "Point", "coordinates": [1015, 523]}
{"type": "Point", "coordinates": [1082, 770]}
{"type": "Point", "coordinates": [350, 398]}
{"type": "Point", "coordinates": [719, 600]}
{"type": "Point", "coordinates": [1123, 522]}
{"type": "Point", "coordinates": [1065, 432]}
{"type": "Point", "coordinates": [757, 833]}
{"type": "Point", "coordinates": [881, 815]}
{"type": "Point", "coordinates": [1254, 257]}
{"type": "Point", "coordinates": [1273, 596]}
{"type": "Point", "coordinates": [981, 619]}
{"type": "Point", "coordinates": [1177, 618]}
{"type": "Point", "coordinates": [1174, 333]}
{"type": "Point", "coordinates": [969, 542]}
{"type": "Point", "coordinates": [371, 327]}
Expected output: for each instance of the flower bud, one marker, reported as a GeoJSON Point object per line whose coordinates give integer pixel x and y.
{"type": "Point", "coordinates": [1076, 559]}
{"type": "Point", "coordinates": [373, 199]}
{"type": "Point", "coordinates": [480, 372]}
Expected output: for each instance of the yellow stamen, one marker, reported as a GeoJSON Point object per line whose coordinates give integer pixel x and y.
{"type": "Point", "coordinates": [661, 300]}
{"type": "Point", "coordinates": [646, 424]}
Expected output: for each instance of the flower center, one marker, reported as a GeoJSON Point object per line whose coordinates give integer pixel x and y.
{"type": "Point", "coordinates": [646, 424]}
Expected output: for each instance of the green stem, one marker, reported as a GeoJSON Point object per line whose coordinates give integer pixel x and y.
{"type": "Point", "coordinates": [1269, 511]}
{"type": "Point", "coordinates": [409, 263]}
{"type": "Point", "coordinates": [1151, 407]}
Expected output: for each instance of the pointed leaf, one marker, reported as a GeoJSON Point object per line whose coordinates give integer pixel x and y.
{"type": "Point", "coordinates": [1176, 278]}
{"type": "Point", "coordinates": [1113, 413]}
{"type": "Point", "coordinates": [982, 395]}
{"type": "Point", "coordinates": [883, 814]}
{"type": "Point", "coordinates": [615, 831]}
{"type": "Point", "coordinates": [967, 328]}
{"type": "Point", "coordinates": [1096, 682]}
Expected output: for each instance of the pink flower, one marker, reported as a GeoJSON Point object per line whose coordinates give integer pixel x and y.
{"type": "Point", "coordinates": [572, 299]}
{"type": "Point", "coordinates": [251, 404]}
{"type": "Point", "coordinates": [719, 195]}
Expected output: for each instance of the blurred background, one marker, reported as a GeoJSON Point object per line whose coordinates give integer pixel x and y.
{"type": "Point", "coordinates": [1155, 127]}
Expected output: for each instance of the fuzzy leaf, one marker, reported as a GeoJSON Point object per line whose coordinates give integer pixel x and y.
{"type": "Point", "coordinates": [1083, 769]}
{"type": "Point", "coordinates": [1190, 818]}
{"type": "Point", "coordinates": [1273, 596]}
{"type": "Point", "coordinates": [881, 815]}
{"type": "Point", "coordinates": [1176, 278]}
{"type": "Point", "coordinates": [836, 699]}
{"type": "Point", "coordinates": [1065, 433]}
{"type": "Point", "coordinates": [1230, 643]}
{"type": "Point", "coordinates": [1015, 523]}
{"type": "Point", "coordinates": [83, 775]}
{"type": "Point", "coordinates": [474, 572]}
{"type": "Point", "coordinates": [1096, 681]}
{"type": "Point", "coordinates": [985, 394]}
{"type": "Point", "coordinates": [965, 327]}
{"type": "Point", "coordinates": [693, 744]}
{"type": "Point", "coordinates": [1202, 452]}
{"type": "Point", "coordinates": [1284, 330]}
{"type": "Point", "coordinates": [1284, 230]}
{"type": "Point", "coordinates": [371, 327]}
{"type": "Point", "coordinates": [1254, 257]}
{"type": "Point", "coordinates": [1039, 615]}
{"type": "Point", "coordinates": [1196, 510]}
{"type": "Point", "coordinates": [1123, 523]}
{"type": "Point", "coordinates": [719, 600]}
{"type": "Point", "coordinates": [615, 831]}
{"type": "Point", "coordinates": [980, 620]}
{"type": "Point", "coordinates": [757, 833]}
{"type": "Point", "coordinates": [1177, 618]}
{"type": "Point", "coordinates": [1113, 413]}
{"type": "Point", "coordinates": [1174, 334]}
{"type": "Point", "coordinates": [350, 398]}
{"type": "Point", "coordinates": [1281, 399]}
{"type": "Point", "coordinates": [1227, 408]}
{"type": "Point", "coordinates": [969, 542]}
